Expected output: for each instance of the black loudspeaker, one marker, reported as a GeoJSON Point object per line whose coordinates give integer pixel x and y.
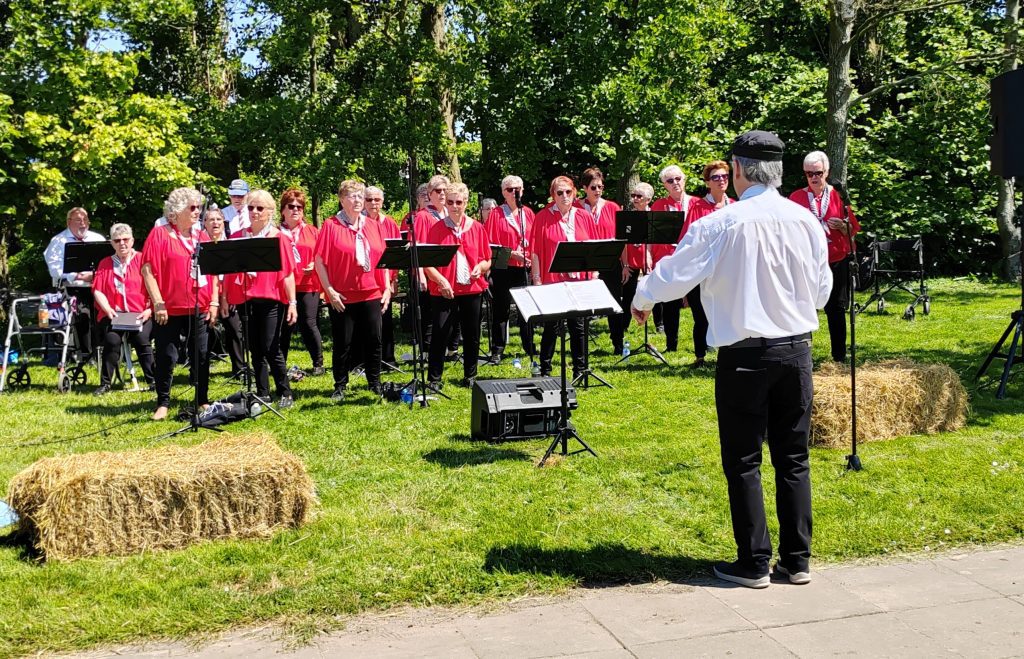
{"type": "Point", "coordinates": [517, 409]}
{"type": "Point", "coordinates": [1007, 97]}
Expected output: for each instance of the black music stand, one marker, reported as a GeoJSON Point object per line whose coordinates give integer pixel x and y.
{"type": "Point", "coordinates": [406, 256]}
{"type": "Point", "coordinates": [229, 257]}
{"type": "Point", "coordinates": [587, 256]}
{"type": "Point", "coordinates": [648, 228]}
{"type": "Point", "coordinates": [559, 303]}
{"type": "Point", "coordinates": [84, 257]}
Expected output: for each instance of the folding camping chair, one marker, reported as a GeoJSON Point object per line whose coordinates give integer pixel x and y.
{"type": "Point", "coordinates": [897, 264]}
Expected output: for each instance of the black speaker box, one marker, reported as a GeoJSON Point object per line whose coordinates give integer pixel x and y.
{"type": "Point", "coordinates": [1007, 97]}
{"type": "Point", "coordinates": [517, 409]}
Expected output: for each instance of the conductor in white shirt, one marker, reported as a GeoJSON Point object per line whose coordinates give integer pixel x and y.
{"type": "Point", "coordinates": [762, 264]}
{"type": "Point", "coordinates": [79, 284]}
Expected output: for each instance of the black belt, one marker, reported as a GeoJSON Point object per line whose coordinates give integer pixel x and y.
{"type": "Point", "coordinates": [761, 342]}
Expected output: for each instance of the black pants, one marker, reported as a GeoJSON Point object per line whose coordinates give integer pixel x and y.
{"type": "Point", "coordinates": [837, 308]}
{"type": "Point", "coordinates": [112, 341]}
{"type": "Point", "coordinates": [362, 320]}
{"type": "Point", "coordinates": [263, 319]}
{"type": "Point", "coordinates": [502, 282]}
{"type": "Point", "coordinates": [765, 394]}
{"type": "Point", "coordinates": [622, 320]}
{"type": "Point", "coordinates": [700, 323]}
{"type": "Point", "coordinates": [85, 329]}
{"type": "Point", "coordinates": [387, 334]}
{"type": "Point", "coordinates": [166, 338]}
{"type": "Point", "coordinates": [231, 339]}
{"type": "Point", "coordinates": [426, 321]}
{"type": "Point", "coordinates": [462, 311]}
{"type": "Point", "coordinates": [616, 327]}
{"type": "Point", "coordinates": [308, 306]}
{"type": "Point", "coordinates": [670, 317]}
{"type": "Point", "coordinates": [577, 345]}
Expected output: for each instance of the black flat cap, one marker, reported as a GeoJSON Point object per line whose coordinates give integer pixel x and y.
{"type": "Point", "coordinates": [758, 145]}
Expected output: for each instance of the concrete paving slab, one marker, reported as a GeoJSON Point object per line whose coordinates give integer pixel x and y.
{"type": "Point", "coordinates": [878, 635]}
{"type": "Point", "coordinates": [636, 618]}
{"type": "Point", "coordinates": [987, 628]}
{"type": "Point", "coordinates": [440, 642]}
{"type": "Point", "coordinates": [602, 654]}
{"type": "Point", "coordinates": [783, 603]}
{"type": "Point", "coordinates": [543, 631]}
{"type": "Point", "coordinates": [1002, 571]}
{"type": "Point", "coordinates": [737, 644]}
{"type": "Point", "coordinates": [907, 585]}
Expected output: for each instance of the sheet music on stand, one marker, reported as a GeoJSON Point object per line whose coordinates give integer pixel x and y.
{"type": "Point", "coordinates": [569, 299]}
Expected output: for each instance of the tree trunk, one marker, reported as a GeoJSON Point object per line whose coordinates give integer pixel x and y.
{"type": "Point", "coordinates": [839, 87]}
{"type": "Point", "coordinates": [1009, 232]}
{"type": "Point", "coordinates": [447, 157]}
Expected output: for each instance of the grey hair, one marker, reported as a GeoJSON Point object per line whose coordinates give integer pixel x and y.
{"type": "Point", "coordinates": [488, 202]}
{"type": "Point", "coordinates": [179, 200]}
{"type": "Point", "coordinates": [816, 157]}
{"type": "Point", "coordinates": [438, 181]}
{"type": "Point", "coordinates": [422, 190]}
{"type": "Point", "coordinates": [370, 189]}
{"type": "Point", "coordinates": [764, 172]}
{"type": "Point", "coordinates": [511, 181]}
{"type": "Point", "coordinates": [671, 169]}
{"type": "Point", "coordinates": [120, 230]}
{"type": "Point", "coordinates": [646, 189]}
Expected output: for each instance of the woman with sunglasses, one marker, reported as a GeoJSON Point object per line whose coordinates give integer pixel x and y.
{"type": "Point", "coordinates": [268, 298]}
{"type": "Point", "coordinates": [716, 178]}
{"type": "Point", "coordinates": [374, 201]}
{"type": "Point", "coordinates": [184, 300]}
{"type": "Point", "coordinates": [674, 182]}
{"type": "Point", "coordinates": [603, 228]}
{"type": "Point", "coordinates": [307, 285]}
{"type": "Point", "coordinates": [562, 221]}
{"type": "Point", "coordinates": [346, 255]}
{"type": "Point", "coordinates": [840, 227]}
{"type": "Point", "coordinates": [509, 225]}
{"type": "Point", "coordinates": [214, 225]}
{"type": "Point", "coordinates": [117, 288]}
{"type": "Point", "coordinates": [457, 288]}
{"type": "Point", "coordinates": [636, 259]}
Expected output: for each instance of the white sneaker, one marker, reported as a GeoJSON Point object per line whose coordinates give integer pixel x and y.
{"type": "Point", "coordinates": [798, 578]}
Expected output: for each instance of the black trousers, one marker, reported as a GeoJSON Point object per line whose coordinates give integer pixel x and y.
{"type": "Point", "coordinates": [502, 281]}
{"type": "Point", "coordinates": [577, 345]}
{"type": "Point", "coordinates": [700, 323]}
{"type": "Point", "coordinates": [462, 311]}
{"type": "Point", "coordinates": [616, 324]}
{"type": "Point", "coordinates": [670, 318]}
{"type": "Point", "coordinates": [387, 334]}
{"type": "Point", "coordinates": [85, 329]}
{"type": "Point", "coordinates": [362, 320]}
{"type": "Point", "coordinates": [112, 341]}
{"type": "Point", "coordinates": [263, 319]}
{"type": "Point", "coordinates": [623, 319]}
{"type": "Point", "coordinates": [426, 320]}
{"type": "Point", "coordinates": [837, 308]}
{"type": "Point", "coordinates": [765, 394]}
{"type": "Point", "coordinates": [308, 305]}
{"type": "Point", "coordinates": [231, 339]}
{"type": "Point", "coordinates": [166, 338]}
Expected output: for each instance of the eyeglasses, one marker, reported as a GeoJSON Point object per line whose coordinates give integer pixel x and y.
{"type": "Point", "coordinates": [513, 189]}
{"type": "Point", "coordinates": [119, 240]}
{"type": "Point", "coordinates": [194, 208]}
{"type": "Point", "coordinates": [597, 186]}
{"type": "Point", "coordinates": [295, 207]}
{"type": "Point", "coordinates": [636, 195]}
{"type": "Point", "coordinates": [456, 202]}
{"type": "Point", "coordinates": [564, 193]}
{"type": "Point", "coordinates": [676, 179]}
{"type": "Point", "coordinates": [258, 209]}
{"type": "Point", "coordinates": [814, 174]}
{"type": "Point", "coordinates": [439, 190]}
{"type": "Point", "coordinates": [379, 200]}
{"type": "Point", "coordinates": [718, 177]}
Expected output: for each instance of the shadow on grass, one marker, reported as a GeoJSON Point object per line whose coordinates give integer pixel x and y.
{"type": "Point", "coordinates": [447, 457]}
{"type": "Point", "coordinates": [601, 566]}
{"type": "Point", "coordinates": [20, 541]}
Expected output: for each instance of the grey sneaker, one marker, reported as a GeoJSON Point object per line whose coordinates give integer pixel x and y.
{"type": "Point", "coordinates": [285, 402]}
{"type": "Point", "coordinates": [737, 574]}
{"type": "Point", "coordinates": [338, 396]}
{"type": "Point", "coordinates": [798, 578]}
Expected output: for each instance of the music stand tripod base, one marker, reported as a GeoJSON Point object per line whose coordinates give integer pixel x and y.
{"type": "Point", "coordinates": [566, 430]}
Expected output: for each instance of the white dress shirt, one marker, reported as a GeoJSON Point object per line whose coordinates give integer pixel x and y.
{"type": "Point", "coordinates": [54, 256]}
{"type": "Point", "coordinates": [236, 219]}
{"type": "Point", "coordinates": [761, 263]}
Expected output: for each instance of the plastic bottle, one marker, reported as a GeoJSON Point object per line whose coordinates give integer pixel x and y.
{"type": "Point", "coordinates": [625, 349]}
{"type": "Point", "coordinates": [535, 369]}
{"type": "Point", "coordinates": [517, 363]}
{"type": "Point", "coordinates": [406, 395]}
{"type": "Point", "coordinates": [12, 357]}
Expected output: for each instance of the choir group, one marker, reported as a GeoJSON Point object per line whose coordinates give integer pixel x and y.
{"type": "Point", "coordinates": [335, 264]}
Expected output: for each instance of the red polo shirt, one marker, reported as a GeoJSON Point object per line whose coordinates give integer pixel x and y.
{"type": "Point", "coordinates": [240, 287]}
{"type": "Point", "coordinates": [505, 230]}
{"type": "Point", "coordinates": [473, 244]}
{"type": "Point", "coordinates": [548, 232]}
{"type": "Point", "coordinates": [105, 281]}
{"type": "Point", "coordinates": [336, 247]}
{"type": "Point", "coordinates": [304, 238]}
{"type": "Point", "coordinates": [838, 244]}
{"type": "Point", "coordinates": [169, 254]}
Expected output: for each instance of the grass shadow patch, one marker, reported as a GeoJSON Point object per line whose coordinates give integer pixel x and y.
{"type": "Point", "coordinates": [487, 454]}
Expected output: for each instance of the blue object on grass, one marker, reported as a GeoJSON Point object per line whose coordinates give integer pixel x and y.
{"type": "Point", "coordinates": [7, 514]}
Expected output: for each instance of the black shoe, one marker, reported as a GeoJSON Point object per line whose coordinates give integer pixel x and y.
{"type": "Point", "coordinates": [698, 363]}
{"type": "Point", "coordinates": [318, 371]}
{"type": "Point", "coordinates": [467, 382]}
{"type": "Point", "coordinates": [102, 390]}
{"type": "Point", "coordinates": [435, 384]}
{"type": "Point", "coordinates": [377, 389]}
{"type": "Point", "coordinates": [285, 402]}
{"type": "Point", "coordinates": [451, 356]}
{"type": "Point", "coordinates": [796, 577]}
{"type": "Point", "coordinates": [495, 359]}
{"type": "Point", "coordinates": [338, 396]}
{"type": "Point", "coordinates": [743, 576]}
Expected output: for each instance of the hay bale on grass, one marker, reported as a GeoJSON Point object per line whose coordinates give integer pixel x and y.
{"type": "Point", "coordinates": [160, 498]}
{"type": "Point", "coordinates": [894, 398]}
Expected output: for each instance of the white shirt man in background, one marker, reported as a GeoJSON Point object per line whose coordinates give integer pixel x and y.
{"type": "Point", "coordinates": [237, 215]}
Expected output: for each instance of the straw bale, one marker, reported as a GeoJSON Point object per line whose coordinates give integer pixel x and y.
{"type": "Point", "coordinates": [894, 398]}
{"type": "Point", "coordinates": [116, 503]}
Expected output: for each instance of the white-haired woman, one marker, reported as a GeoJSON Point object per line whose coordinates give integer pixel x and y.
{"type": "Point", "coordinates": [268, 298]}
{"type": "Point", "coordinates": [182, 297]}
{"type": "Point", "coordinates": [636, 259]}
{"type": "Point", "coordinates": [674, 181]}
{"type": "Point", "coordinates": [117, 288]}
{"type": "Point", "coordinates": [825, 203]}
{"type": "Point", "coordinates": [509, 225]}
{"type": "Point", "coordinates": [374, 202]}
{"type": "Point", "coordinates": [487, 204]}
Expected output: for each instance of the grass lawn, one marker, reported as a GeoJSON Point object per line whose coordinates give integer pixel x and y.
{"type": "Point", "coordinates": [414, 512]}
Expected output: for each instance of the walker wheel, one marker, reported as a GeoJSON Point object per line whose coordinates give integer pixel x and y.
{"type": "Point", "coordinates": [926, 306]}
{"type": "Point", "coordinates": [63, 383]}
{"type": "Point", "coordinates": [19, 379]}
{"type": "Point", "coordinates": [909, 313]}
{"type": "Point", "coordinates": [78, 376]}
